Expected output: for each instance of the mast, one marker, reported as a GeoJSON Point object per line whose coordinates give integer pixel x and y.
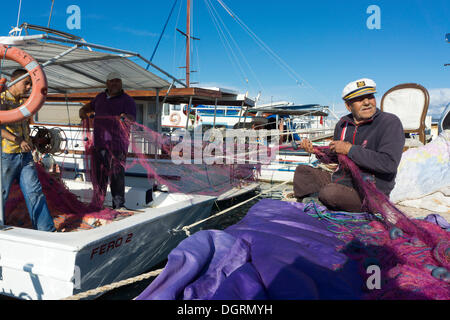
{"type": "Point", "coordinates": [188, 42]}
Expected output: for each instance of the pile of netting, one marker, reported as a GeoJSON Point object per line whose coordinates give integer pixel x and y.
{"type": "Point", "coordinates": [148, 151]}
{"type": "Point", "coordinates": [413, 254]}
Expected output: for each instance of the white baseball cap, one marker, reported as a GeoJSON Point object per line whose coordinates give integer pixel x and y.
{"type": "Point", "coordinates": [113, 75]}
{"type": "Point", "coordinates": [359, 88]}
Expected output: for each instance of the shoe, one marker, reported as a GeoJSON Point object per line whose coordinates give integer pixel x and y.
{"type": "Point", "coordinates": [122, 209]}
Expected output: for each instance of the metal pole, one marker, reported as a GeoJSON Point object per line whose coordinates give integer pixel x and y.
{"type": "Point", "coordinates": [158, 121]}
{"type": "Point", "coordinates": [188, 111]}
{"type": "Point", "coordinates": [240, 115]}
{"type": "Point", "coordinates": [2, 215]}
{"type": "Point", "coordinates": [215, 110]}
{"type": "Point", "coordinates": [188, 42]}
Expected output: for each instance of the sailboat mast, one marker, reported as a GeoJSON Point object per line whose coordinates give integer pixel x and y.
{"type": "Point", "coordinates": [188, 42]}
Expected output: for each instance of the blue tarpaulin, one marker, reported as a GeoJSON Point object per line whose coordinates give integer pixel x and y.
{"type": "Point", "coordinates": [277, 251]}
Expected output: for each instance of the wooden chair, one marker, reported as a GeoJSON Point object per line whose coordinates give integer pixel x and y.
{"type": "Point", "coordinates": [409, 102]}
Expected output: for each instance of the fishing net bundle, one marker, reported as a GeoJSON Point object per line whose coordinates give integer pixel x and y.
{"type": "Point", "coordinates": [70, 213]}
{"type": "Point", "coordinates": [413, 254]}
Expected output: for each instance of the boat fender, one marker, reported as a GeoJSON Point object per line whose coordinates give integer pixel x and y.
{"type": "Point", "coordinates": [39, 82]}
{"type": "Point", "coordinates": [175, 119]}
{"type": "Point", "coordinates": [430, 267]}
{"type": "Point", "coordinates": [395, 233]}
{"type": "Point", "coordinates": [441, 274]}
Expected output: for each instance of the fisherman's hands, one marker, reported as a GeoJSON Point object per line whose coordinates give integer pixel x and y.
{"type": "Point", "coordinates": [84, 111]}
{"type": "Point", "coordinates": [340, 147]}
{"type": "Point", "coordinates": [307, 145]}
{"type": "Point", "coordinates": [124, 116]}
{"type": "Point", "coordinates": [24, 145]}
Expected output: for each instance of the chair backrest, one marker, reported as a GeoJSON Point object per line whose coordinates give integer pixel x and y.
{"type": "Point", "coordinates": [409, 102]}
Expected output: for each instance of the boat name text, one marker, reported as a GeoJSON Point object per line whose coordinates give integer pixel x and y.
{"type": "Point", "coordinates": [106, 247]}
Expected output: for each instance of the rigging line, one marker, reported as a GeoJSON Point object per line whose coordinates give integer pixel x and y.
{"type": "Point", "coordinates": [161, 35]}
{"type": "Point", "coordinates": [18, 14]}
{"type": "Point", "coordinates": [225, 41]}
{"type": "Point", "coordinates": [268, 49]}
{"type": "Point", "coordinates": [223, 35]}
{"type": "Point", "coordinates": [257, 39]}
{"type": "Point", "coordinates": [51, 12]}
{"type": "Point", "coordinates": [175, 40]}
{"type": "Point", "coordinates": [239, 49]}
{"type": "Point", "coordinates": [237, 61]}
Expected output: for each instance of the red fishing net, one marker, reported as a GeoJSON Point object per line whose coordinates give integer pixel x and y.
{"type": "Point", "coordinates": [413, 254]}
{"type": "Point", "coordinates": [195, 177]}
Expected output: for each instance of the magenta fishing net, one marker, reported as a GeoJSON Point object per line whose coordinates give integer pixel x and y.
{"type": "Point", "coordinates": [191, 178]}
{"type": "Point", "coordinates": [413, 254]}
{"type": "Point", "coordinates": [70, 213]}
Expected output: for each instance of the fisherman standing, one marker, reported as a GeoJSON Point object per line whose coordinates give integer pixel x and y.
{"type": "Point", "coordinates": [114, 109]}
{"type": "Point", "coordinates": [372, 139]}
{"type": "Point", "coordinates": [17, 160]}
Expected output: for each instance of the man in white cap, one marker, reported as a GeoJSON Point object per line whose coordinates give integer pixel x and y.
{"type": "Point", "coordinates": [114, 111]}
{"type": "Point", "coordinates": [372, 139]}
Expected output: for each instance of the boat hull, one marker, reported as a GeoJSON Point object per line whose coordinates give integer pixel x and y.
{"type": "Point", "coordinates": [46, 266]}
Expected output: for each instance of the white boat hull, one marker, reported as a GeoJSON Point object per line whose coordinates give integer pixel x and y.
{"type": "Point", "coordinates": [47, 266]}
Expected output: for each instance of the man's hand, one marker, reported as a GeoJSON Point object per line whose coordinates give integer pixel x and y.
{"type": "Point", "coordinates": [307, 145]}
{"type": "Point", "coordinates": [340, 147]}
{"type": "Point", "coordinates": [83, 112]}
{"type": "Point", "coordinates": [25, 146]}
{"type": "Point", "coordinates": [124, 116]}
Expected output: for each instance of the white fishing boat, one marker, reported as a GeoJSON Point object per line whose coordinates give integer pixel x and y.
{"type": "Point", "coordinates": [294, 123]}
{"type": "Point", "coordinates": [42, 265]}
{"type": "Point", "coordinates": [48, 266]}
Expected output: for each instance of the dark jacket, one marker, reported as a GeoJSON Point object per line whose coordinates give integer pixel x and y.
{"type": "Point", "coordinates": [377, 148]}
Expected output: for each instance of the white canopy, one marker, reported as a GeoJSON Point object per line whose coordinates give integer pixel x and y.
{"type": "Point", "coordinates": [82, 70]}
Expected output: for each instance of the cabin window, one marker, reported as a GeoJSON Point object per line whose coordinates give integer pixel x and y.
{"type": "Point", "coordinates": [176, 107]}
{"type": "Point", "coordinates": [60, 113]}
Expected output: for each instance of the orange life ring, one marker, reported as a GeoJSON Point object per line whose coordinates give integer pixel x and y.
{"type": "Point", "coordinates": [175, 119]}
{"type": "Point", "coordinates": [38, 79]}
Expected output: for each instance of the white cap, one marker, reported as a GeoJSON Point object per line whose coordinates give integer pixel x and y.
{"type": "Point", "coordinates": [359, 88]}
{"type": "Point", "coordinates": [113, 75]}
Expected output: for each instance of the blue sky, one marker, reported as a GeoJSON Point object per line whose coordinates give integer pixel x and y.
{"type": "Point", "coordinates": [323, 44]}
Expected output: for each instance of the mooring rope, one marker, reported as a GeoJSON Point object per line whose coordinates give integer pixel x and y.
{"type": "Point", "coordinates": [186, 228]}
{"type": "Point", "coordinates": [115, 285]}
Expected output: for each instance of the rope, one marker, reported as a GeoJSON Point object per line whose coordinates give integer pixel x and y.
{"type": "Point", "coordinates": [18, 14]}
{"type": "Point", "coordinates": [186, 228]}
{"type": "Point", "coordinates": [162, 33]}
{"type": "Point", "coordinates": [115, 285]}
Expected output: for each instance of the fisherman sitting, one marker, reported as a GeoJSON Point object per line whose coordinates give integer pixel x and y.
{"type": "Point", "coordinates": [372, 139]}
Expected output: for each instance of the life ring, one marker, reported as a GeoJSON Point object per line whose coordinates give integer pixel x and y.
{"type": "Point", "coordinates": [38, 79]}
{"type": "Point", "coordinates": [175, 119]}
